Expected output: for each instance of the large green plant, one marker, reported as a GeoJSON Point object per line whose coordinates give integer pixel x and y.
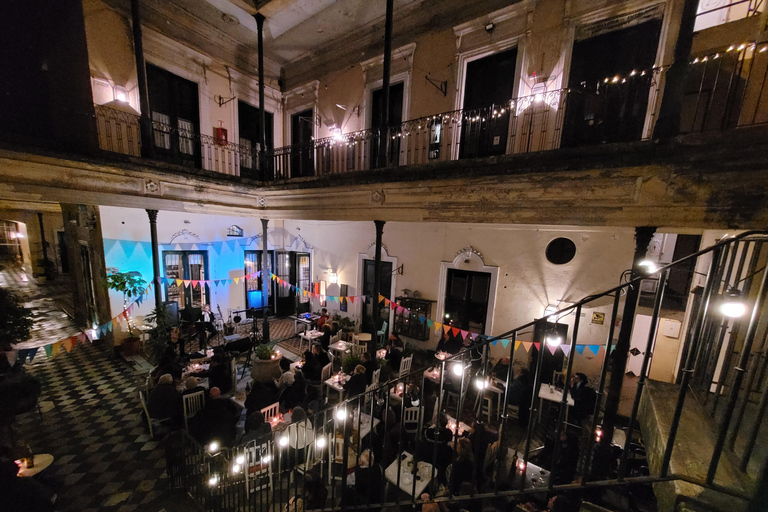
{"type": "Point", "coordinates": [15, 320]}
{"type": "Point", "coordinates": [159, 335]}
{"type": "Point", "coordinates": [130, 284]}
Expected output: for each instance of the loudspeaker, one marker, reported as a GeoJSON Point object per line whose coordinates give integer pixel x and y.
{"type": "Point", "coordinates": [171, 313]}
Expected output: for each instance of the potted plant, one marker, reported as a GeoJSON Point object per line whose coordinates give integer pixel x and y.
{"type": "Point", "coordinates": [266, 364]}
{"type": "Point", "coordinates": [349, 363]}
{"type": "Point", "coordinates": [18, 390]}
{"type": "Point", "coordinates": [130, 284]}
{"type": "Point", "coordinates": [346, 324]}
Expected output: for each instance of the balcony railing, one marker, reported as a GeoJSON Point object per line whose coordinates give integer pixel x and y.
{"type": "Point", "coordinates": [724, 90]}
{"type": "Point", "coordinates": [398, 436]}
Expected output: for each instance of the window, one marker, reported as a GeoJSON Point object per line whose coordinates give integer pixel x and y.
{"type": "Point", "coordinates": [175, 115]}
{"type": "Point", "coordinates": [560, 251]}
{"type": "Point", "coordinates": [188, 266]}
{"type": "Point", "coordinates": [253, 285]}
{"type": "Point", "coordinates": [249, 123]}
{"type": "Point", "coordinates": [466, 300]}
{"type": "Point", "coordinates": [717, 12]}
{"type": "Point", "coordinates": [283, 271]}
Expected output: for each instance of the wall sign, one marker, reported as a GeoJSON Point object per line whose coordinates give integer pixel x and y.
{"type": "Point", "coordinates": [598, 318]}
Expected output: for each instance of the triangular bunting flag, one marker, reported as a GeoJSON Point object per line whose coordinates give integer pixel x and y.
{"type": "Point", "coordinates": [56, 348]}
{"type": "Point", "coordinates": [429, 323]}
{"type": "Point", "coordinates": [566, 349]}
{"type": "Point", "coordinates": [455, 331]}
{"type": "Point", "coordinates": [68, 344]}
{"type": "Point", "coordinates": [422, 319]}
{"type": "Point", "coordinates": [464, 334]}
{"type": "Point", "coordinates": [517, 344]}
{"type": "Point", "coordinates": [438, 325]}
{"type": "Point", "coordinates": [527, 345]}
{"type": "Point", "coordinates": [504, 343]}
{"type": "Point", "coordinates": [537, 346]}
{"type": "Point", "coordinates": [236, 280]}
{"type": "Point", "coordinates": [48, 350]}
{"type": "Point", "coordinates": [594, 348]}
{"type": "Point", "coordinates": [352, 299]}
{"type": "Point", "coordinates": [552, 349]}
{"type": "Point", "coordinates": [580, 348]}
{"type": "Point", "coordinates": [103, 330]}
{"type": "Point", "coordinates": [32, 353]}
{"type": "Point", "coordinates": [187, 283]}
{"type": "Point", "coordinates": [82, 337]}
{"type": "Point", "coordinates": [495, 342]}
{"type": "Point", "coordinates": [109, 326]}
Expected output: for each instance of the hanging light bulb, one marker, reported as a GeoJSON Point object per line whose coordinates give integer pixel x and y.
{"type": "Point", "coordinates": [648, 266]}
{"type": "Point", "coordinates": [457, 369]}
{"type": "Point", "coordinates": [283, 441]}
{"type": "Point", "coordinates": [553, 340]}
{"type": "Point", "coordinates": [320, 442]}
{"type": "Point", "coordinates": [732, 305]}
{"type": "Point", "coordinates": [481, 383]}
{"type": "Point", "coordinates": [213, 480]}
{"type": "Point", "coordinates": [213, 447]}
{"type": "Point", "coordinates": [341, 413]}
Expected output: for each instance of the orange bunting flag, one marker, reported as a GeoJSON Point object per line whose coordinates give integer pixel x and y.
{"type": "Point", "coordinates": [527, 345]}
{"type": "Point", "coordinates": [68, 344]}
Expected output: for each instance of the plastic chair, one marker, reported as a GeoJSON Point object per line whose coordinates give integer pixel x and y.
{"type": "Point", "coordinates": [382, 333]}
{"type": "Point", "coordinates": [271, 411]}
{"type": "Point", "coordinates": [405, 365]}
{"type": "Point", "coordinates": [193, 402]}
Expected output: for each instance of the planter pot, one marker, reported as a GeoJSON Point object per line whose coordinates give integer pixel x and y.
{"type": "Point", "coordinates": [264, 370]}
{"type": "Point", "coordinates": [130, 346]}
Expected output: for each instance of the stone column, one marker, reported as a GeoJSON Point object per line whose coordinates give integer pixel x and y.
{"type": "Point", "coordinates": [141, 76]}
{"type": "Point", "coordinates": [384, 135]}
{"type": "Point", "coordinates": [155, 258]}
{"type": "Point", "coordinates": [618, 365]}
{"type": "Point", "coordinates": [265, 281]}
{"type": "Point", "coordinates": [376, 287]}
{"type": "Point", "coordinates": [262, 114]}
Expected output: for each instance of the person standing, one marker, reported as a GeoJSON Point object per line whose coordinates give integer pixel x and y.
{"type": "Point", "coordinates": [206, 326]}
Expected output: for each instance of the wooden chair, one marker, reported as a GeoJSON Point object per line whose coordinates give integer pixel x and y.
{"type": "Point", "coordinates": [382, 333]}
{"type": "Point", "coordinates": [336, 338]}
{"type": "Point", "coordinates": [375, 378]}
{"type": "Point", "coordinates": [150, 420]}
{"type": "Point", "coordinates": [258, 467]}
{"type": "Point", "coordinates": [405, 365]}
{"type": "Point", "coordinates": [193, 402]}
{"type": "Point", "coordinates": [325, 374]}
{"type": "Point", "coordinates": [359, 350]}
{"type": "Point", "coordinates": [412, 420]}
{"type": "Point", "coordinates": [271, 411]}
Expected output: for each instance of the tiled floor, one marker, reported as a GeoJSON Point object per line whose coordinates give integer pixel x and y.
{"type": "Point", "coordinates": [104, 458]}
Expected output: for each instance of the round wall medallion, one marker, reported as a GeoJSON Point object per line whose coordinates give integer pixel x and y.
{"type": "Point", "coordinates": [560, 251]}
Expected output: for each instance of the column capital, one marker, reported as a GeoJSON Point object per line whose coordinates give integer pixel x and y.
{"type": "Point", "coordinates": [152, 216]}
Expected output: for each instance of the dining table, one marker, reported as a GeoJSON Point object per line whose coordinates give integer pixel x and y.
{"type": "Point", "coordinates": [553, 394]}
{"type": "Point", "coordinates": [401, 474]}
{"type": "Point", "coordinates": [306, 321]}
{"type": "Point", "coordinates": [536, 477]}
{"type": "Point", "coordinates": [296, 365]}
{"type": "Point", "coordinates": [309, 337]}
{"type": "Point", "coordinates": [463, 427]}
{"type": "Point", "coordinates": [336, 383]}
{"type": "Point", "coordinates": [340, 346]}
{"type": "Point", "coordinates": [40, 462]}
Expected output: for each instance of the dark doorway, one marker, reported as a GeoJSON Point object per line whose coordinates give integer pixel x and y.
{"type": "Point", "coordinates": [253, 286]}
{"type": "Point", "coordinates": [392, 127]}
{"type": "Point", "coordinates": [488, 87]}
{"type": "Point", "coordinates": [63, 251]}
{"type": "Point", "coordinates": [92, 317]}
{"type": "Point", "coordinates": [301, 276]}
{"type": "Point", "coordinates": [301, 144]}
{"type": "Point", "coordinates": [552, 362]}
{"type": "Point", "coordinates": [385, 287]}
{"type": "Point", "coordinates": [175, 117]}
{"type": "Point", "coordinates": [609, 83]}
{"type": "Point", "coordinates": [466, 299]}
{"type": "Point", "coordinates": [249, 125]}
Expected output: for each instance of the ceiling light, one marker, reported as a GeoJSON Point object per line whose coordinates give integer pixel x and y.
{"type": "Point", "coordinates": [732, 305]}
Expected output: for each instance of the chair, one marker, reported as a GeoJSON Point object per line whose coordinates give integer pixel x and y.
{"type": "Point", "coordinates": [382, 333]}
{"type": "Point", "coordinates": [258, 468]}
{"type": "Point", "coordinates": [325, 374]}
{"type": "Point", "coordinates": [358, 350]}
{"type": "Point", "coordinates": [412, 420]}
{"type": "Point", "coordinates": [193, 402]}
{"type": "Point", "coordinates": [375, 378]}
{"type": "Point", "coordinates": [336, 338]}
{"type": "Point", "coordinates": [490, 457]}
{"type": "Point", "coordinates": [150, 420]}
{"type": "Point", "coordinates": [405, 365]}
{"type": "Point", "coordinates": [271, 411]}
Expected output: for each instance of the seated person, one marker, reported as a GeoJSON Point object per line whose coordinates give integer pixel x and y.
{"type": "Point", "coordinates": [564, 469]}
{"type": "Point", "coordinates": [368, 485]}
{"type": "Point", "coordinates": [259, 397]}
{"type": "Point", "coordinates": [219, 373]}
{"type": "Point", "coordinates": [501, 369]}
{"type": "Point", "coordinates": [294, 394]}
{"type": "Point", "coordinates": [256, 429]}
{"type": "Point", "coordinates": [26, 494]}
{"type": "Point", "coordinates": [462, 465]}
{"type": "Point", "coordinates": [449, 343]}
{"type": "Point", "coordinates": [325, 339]}
{"type": "Point", "coordinates": [394, 351]}
{"type": "Point", "coordinates": [311, 367]}
{"type": "Point", "coordinates": [300, 434]}
{"type": "Point", "coordinates": [217, 420]}
{"type": "Point", "coordinates": [357, 383]}
{"type": "Point", "coordinates": [583, 397]}
{"type": "Point", "coordinates": [285, 380]}
{"type": "Point", "coordinates": [170, 362]}
{"type": "Point", "coordinates": [192, 385]}
{"type": "Point", "coordinates": [324, 316]}
{"type": "Point", "coordinates": [520, 393]}
{"type": "Point", "coordinates": [165, 400]}
{"type": "Point", "coordinates": [322, 355]}
{"type": "Point", "coordinates": [370, 366]}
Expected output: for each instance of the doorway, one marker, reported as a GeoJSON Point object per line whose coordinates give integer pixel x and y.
{"type": "Point", "coordinates": [249, 126]}
{"type": "Point", "coordinates": [609, 83]}
{"type": "Point", "coordinates": [187, 266]}
{"type": "Point", "coordinates": [92, 317]}
{"type": "Point", "coordinates": [488, 86]}
{"type": "Point", "coordinates": [466, 300]}
{"type": "Point", "coordinates": [302, 124]}
{"type": "Point", "coordinates": [395, 119]}
{"type": "Point", "coordinates": [253, 286]}
{"type": "Point", "coordinates": [385, 288]}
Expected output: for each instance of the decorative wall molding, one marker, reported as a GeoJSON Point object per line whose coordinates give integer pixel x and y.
{"type": "Point", "coordinates": [184, 233]}
{"type": "Point", "coordinates": [467, 253]}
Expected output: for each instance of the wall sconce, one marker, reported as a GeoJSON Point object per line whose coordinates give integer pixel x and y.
{"type": "Point", "coordinates": [398, 271]}
{"type": "Point", "coordinates": [333, 277]}
{"type": "Point", "coordinates": [551, 309]}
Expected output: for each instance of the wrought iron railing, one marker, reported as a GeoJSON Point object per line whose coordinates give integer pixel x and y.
{"type": "Point", "coordinates": [395, 436]}
{"type": "Point", "coordinates": [119, 131]}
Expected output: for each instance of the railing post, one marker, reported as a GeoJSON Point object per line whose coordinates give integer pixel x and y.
{"type": "Point", "coordinates": [532, 414]}
{"type": "Point", "coordinates": [644, 369]}
{"type": "Point", "coordinates": [690, 357]}
{"type": "Point", "coordinates": [746, 349]}
{"type": "Point", "coordinates": [505, 404]}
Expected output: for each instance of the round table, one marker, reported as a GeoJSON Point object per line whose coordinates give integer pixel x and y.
{"type": "Point", "coordinates": [41, 461]}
